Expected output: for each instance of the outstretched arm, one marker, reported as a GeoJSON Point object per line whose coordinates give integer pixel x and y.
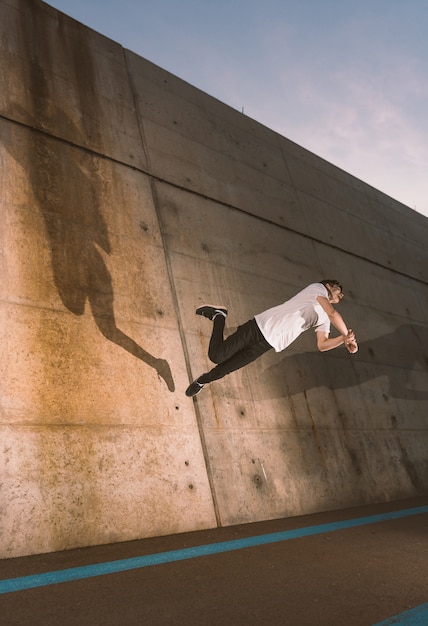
{"type": "Point", "coordinates": [346, 336]}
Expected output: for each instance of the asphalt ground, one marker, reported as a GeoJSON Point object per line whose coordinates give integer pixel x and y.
{"type": "Point", "coordinates": [359, 566]}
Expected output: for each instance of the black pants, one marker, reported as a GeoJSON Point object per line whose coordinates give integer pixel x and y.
{"type": "Point", "coordinates": [242, 347]}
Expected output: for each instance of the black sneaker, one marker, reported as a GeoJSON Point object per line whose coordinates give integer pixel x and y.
{"type": "Point", "coordinates": [194, 388]}
{"type": "Point", "coordinates": [210, 311]}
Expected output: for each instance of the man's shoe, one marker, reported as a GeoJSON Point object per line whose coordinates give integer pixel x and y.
{"type": "Point", "coordinates": [194, 388]}
{"type": "Point", "coordinates": [210, 311]}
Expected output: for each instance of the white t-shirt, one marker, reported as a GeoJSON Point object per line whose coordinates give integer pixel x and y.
{"type": "Point", "coordinates": [282, 324]}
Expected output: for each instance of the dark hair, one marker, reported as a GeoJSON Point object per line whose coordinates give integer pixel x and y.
{"type": "Point", "coordinates": [332, 282]}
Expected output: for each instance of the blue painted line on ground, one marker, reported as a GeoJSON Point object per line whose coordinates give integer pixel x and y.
{"type": "Point", "coordinates": [417, 616]}
{"type": "Point", "coordinates": [114, 567]}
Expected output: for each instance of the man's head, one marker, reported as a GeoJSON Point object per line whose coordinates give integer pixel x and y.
{"type": "Point", "coordinates": [334, 288]}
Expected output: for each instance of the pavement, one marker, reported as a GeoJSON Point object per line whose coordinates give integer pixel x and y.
{"type": "Point", "coordinates": [359, 566]}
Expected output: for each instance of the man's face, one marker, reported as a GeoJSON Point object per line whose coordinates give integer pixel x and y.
{"type": "Point", "coordinates": [335, 293]}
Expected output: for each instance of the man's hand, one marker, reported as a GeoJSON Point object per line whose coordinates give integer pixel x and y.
{"type": "Point", "coordinates": [350, 342]}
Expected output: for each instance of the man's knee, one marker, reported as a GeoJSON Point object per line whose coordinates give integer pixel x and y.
{"type": "Point", "coordinates": [214, 356]}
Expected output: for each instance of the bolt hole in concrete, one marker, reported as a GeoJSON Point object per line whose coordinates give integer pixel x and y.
{"type": "Point", "coordinates": [257, 480]}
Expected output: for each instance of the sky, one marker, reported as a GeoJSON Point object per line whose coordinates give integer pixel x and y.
{"type": "Point", "coordinates": [346, 80]}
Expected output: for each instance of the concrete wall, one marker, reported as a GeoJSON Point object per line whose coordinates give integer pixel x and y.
{"type": "Point", "coordinates": [128, 199]}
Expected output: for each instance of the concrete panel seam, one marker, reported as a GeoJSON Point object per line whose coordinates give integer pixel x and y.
{"type": "Point", "coordinates": [211, 199]}
{"type": "Point", "coordinates": [155, 197]}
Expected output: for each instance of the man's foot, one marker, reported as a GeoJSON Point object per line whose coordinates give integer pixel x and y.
{"type": "Point", "coordinates": [194, 388]}
{"type": "Point", "coordinates": [210, 311]}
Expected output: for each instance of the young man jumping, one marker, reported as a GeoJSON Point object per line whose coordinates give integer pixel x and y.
{"type": "Point", "coordinates": [275, 329]}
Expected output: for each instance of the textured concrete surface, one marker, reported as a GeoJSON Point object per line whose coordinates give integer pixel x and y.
{"type": "Point", "coordinates": [130, 198]}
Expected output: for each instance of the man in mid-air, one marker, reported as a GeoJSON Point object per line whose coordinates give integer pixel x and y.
{"type": "Point", "coordinates": [275, 329]}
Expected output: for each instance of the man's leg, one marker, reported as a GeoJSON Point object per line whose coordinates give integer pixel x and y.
{"type": "Point", "coordinates": [217, 338]}
{"type": "Point", "coordinates": [221, 350]}
{"type": "Point", "coordinates": [242, 347]}
{"type": "Point", "coordinates": [240, 359]}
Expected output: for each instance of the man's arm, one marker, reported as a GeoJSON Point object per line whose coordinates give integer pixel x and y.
{"type": "Point", "coordinates": [346, 336]}
{"type": "Point", "coordinates": [325, 343]}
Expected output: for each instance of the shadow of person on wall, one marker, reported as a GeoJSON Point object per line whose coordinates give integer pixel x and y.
{"type": "Point", "coordinates": [68, 186]}
{"type": "Point", "coordinates": [67, 192]}
{"type": "Point", "coordinates": [396, 356]}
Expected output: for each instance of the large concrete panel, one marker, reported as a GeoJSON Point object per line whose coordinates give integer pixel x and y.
{"type": "Point", "coordinates": [130, 198]}
{"type": "Point", "coordinates": [199, 144]}
{"type": "Point", "coordinates": [67, 80]}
